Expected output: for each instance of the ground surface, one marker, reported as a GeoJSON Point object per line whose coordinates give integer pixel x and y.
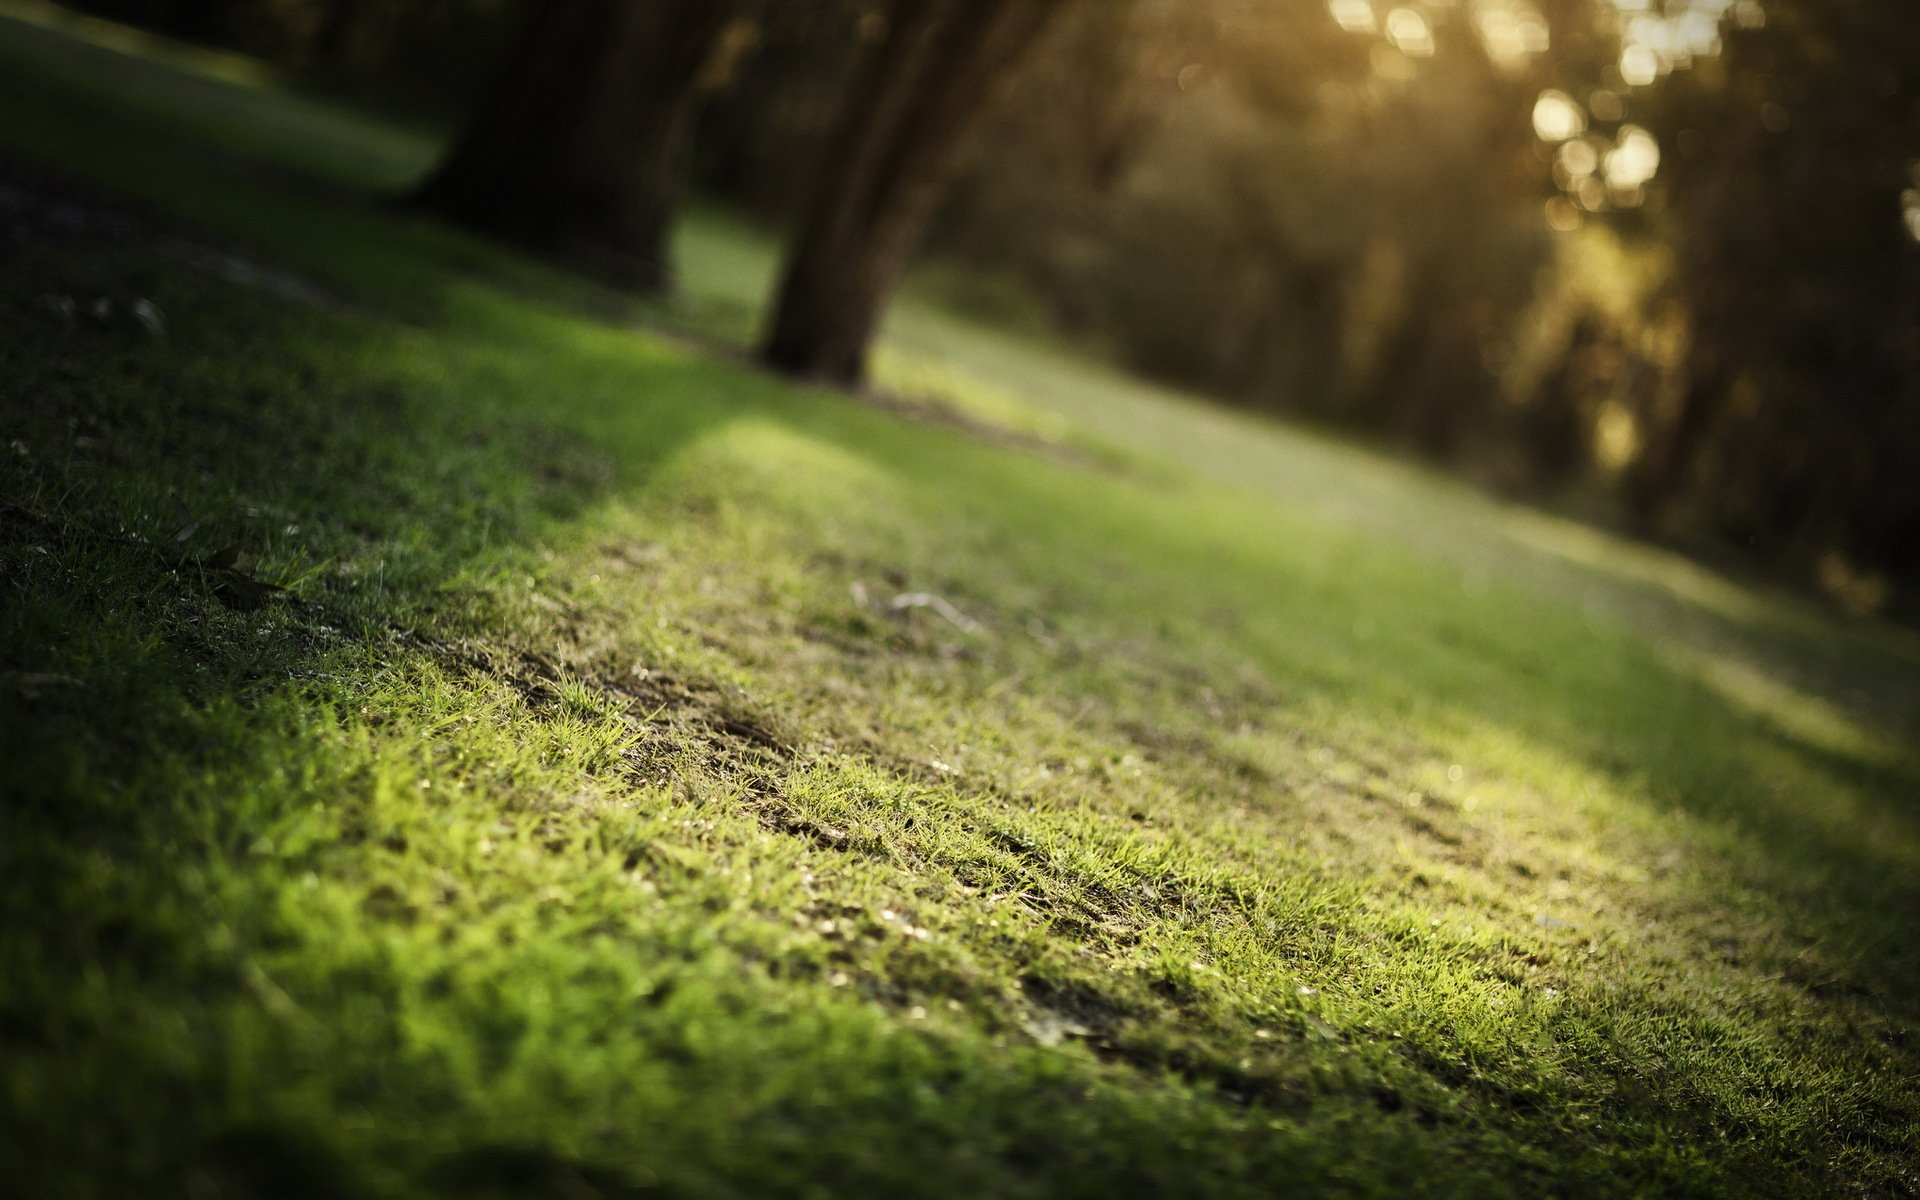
{"type": "Point", "coordinates": [457, 743]}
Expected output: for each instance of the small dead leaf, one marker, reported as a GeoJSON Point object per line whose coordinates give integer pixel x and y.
{"type": "Point", "coordinates": [147, 313]}
{"type": "Point", "coordinates": [907, 601]}
{"type": "Point", "coordinates": [1052, 1028]}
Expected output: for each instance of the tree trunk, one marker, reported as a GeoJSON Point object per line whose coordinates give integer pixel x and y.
{"type": "Point", "coordinates": [1666, 465]}
{"type": "Point", "coordinates": [333, 45]}
{"type": "Point", "coordinates": [576, 152]}
{"type": "Point", "coordinates": [899, 139]}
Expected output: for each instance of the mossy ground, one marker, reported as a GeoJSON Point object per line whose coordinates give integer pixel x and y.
{"type": "Point", "coordinates": [658, 778]}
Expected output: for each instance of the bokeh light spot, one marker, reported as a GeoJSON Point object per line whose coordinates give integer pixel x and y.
{"type": "Point", "coordinates": [1410, 33]}
{"type": "Point", "coordinates": [1558, 116]}
{"type": "Point", "coordinates": [1354, 16]}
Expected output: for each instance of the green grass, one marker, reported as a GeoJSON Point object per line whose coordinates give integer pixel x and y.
{"type": "Point", "coordinates": [585, 820]}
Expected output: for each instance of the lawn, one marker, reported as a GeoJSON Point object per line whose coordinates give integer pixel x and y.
{"type": "Point", "coordinates": [467, 734]}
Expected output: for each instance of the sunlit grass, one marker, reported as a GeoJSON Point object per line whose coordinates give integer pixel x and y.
{"type": "Point", "coordinates": [1280, 818]}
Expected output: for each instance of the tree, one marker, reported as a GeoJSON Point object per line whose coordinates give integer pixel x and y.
{"type": "Point", "coordinates": [576, 151]}
{"type": "Point", "coordinates": [928, 83]}
{"type": "Point", "coordinates": [333, 40]}
{"type": "Point", "coordinates": [1794, 204]}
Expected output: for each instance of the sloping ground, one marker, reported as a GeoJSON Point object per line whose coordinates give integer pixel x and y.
{"type": "Point", "coordinates": [656, 779]}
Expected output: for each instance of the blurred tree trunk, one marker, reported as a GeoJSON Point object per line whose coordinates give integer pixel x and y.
{"type": "Point", "coordinates": [1667, 463]}
{"type": "Point", "coordinates": [333, 43]}
{"type": "Point", "coordinates": [926, 87]}
{"type": "Point", "coordinates": [576, 152]}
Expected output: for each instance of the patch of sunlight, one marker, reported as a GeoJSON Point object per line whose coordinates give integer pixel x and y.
{"type": "Point", "coordinates": [1523, 832]}
{"type": "Point", "coordinates": [921, 376]}
{"type": "Point", "coordinates": [1688, 581]}
{"type": "Point", "coordinates": [1597, 550]}
{"type": "Point", "coordinates": [1807, 719]}
{"type": "Point", "coordinates": [759, 453]}
{"type": "Point", "coordinates": [723, 259]}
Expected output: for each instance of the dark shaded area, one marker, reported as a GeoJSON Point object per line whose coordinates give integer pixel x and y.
{"type": "Point", "coordinates": [510, 1170]}
{"type": "Point", "coordinates": [1794, 210]}
{"type": "Point", "coordinates": [576, 150]}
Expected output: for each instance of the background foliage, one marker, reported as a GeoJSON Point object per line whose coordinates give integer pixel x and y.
{"type": "Point", "coordinates": [1654, 260]}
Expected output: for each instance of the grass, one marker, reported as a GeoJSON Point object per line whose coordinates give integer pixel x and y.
{"type": "Point", "coordinates": [597, 814]}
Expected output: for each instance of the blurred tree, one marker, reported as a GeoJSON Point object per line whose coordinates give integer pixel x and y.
{"type": "Point", "coordinates": [576, 152]}
{"type": "Point", "coordinates": [1287, 211]}
{"type": "Point", "coordinates": [1656, 258]}
{"type": "Point", "coordinates": [1790, 202]}
{"type": "Point", "coordinates": [339, 24]}
{"type": "Point", "coordinates": [758, 141]}
{"type": "Point", "coordinates": [1039, 201]}
{"type": "Point", "coordinates": [930, 76]}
